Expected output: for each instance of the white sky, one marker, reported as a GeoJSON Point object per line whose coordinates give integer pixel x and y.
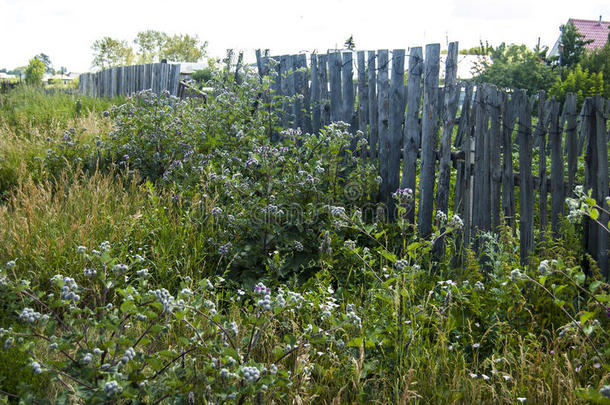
{"type": "Point", "coordinates": [66, 29]}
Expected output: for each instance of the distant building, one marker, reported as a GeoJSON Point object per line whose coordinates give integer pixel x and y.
{"type": "Point", "coordinates": [7, 76]}
{"type": "Point", "coordinates": [595, 30]}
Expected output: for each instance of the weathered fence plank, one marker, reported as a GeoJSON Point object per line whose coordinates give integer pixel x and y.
{"type": "Point", "coordinates": [324, 92]}
{"type": "Point", "coordinates": [601, 182]}
{"type": "Point", "coordinates": [347, 79]}
{"type": "Point", "coordinates": [299, 82]}
{"type": "Point", "coordinates": [570, 116]}
{"type": "Point", "coordinates": [448, 113]}
{"type": "Point", "coordinates": [363, 96]}
{"type": "Point", "coordinates": [429, 139]}
{"type": "Point", "coordinates": [411, 131]}
{"type": "Point", "coordinates": [460, 138]}
{"type": "Point", "coordinates": [526, 182]}
{"type": "Point", "coordinates": [315, 94]}
{"type": "Point", "coordinates": [557, 183]}
{"type": "Point", "coordinates": [397, 113]}
{"type": "Point", "coordinates": [383, 106]}
{"type": "Point", "coordinates": [495, 143]}
{"type": "Point", "coordinates": [287, 90]}
{"type": "Point", "coordinates": [373, 110]}
{"type": "Point", "coordinates": [334, 77]}
{"type": "Point", "coordinates": [480, 193]}
{"type": "Point", "coordinates": [509, 117]}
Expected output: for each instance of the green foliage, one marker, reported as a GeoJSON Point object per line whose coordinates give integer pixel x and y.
{"type": "Point", "coordinates": [152, 46]}
{"type": "Point", "coordinates": [47, 63]}
{"type": "Point", "coordinates": [515, 67]}
{"type": "Point", "coordinates": [572, 46]}
{"type": "Point", "coordinates": [598, 61]}
{"type": "Point", "coordinates": [580, 82]}
{"type": "Point", "coordinates": [34, 72]}
{"type": "Point", "coordinates": [109, 52]}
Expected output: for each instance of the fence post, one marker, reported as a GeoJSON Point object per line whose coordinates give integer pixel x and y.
{"type": "Point", "coordinates": [481, 198]}
{"type": "Point", "coordinates": [540, 139]}
{"type": "Point", "coordinates": [557, 187]}
{"type": "Point", "coordinates": [570, 116]}
{"type": "Point", "coordinates": [324, 94]}
{"type": "Point", "coordinates": [373, 111]}
{"type": "Point", "coordinates": [363, 96]}
{"type": "Point", "coordinates": [347, 78]}
{"type": "Point", "coordinates": [383, 106]}
{"type": "Point", "coordinates": [509, 117]}
{"type": "Point", "coordinates": [307, 128]}
{"type": "Point", "coordinates": [526, 181]}
{"type": "Point", "coordinates": [315, 95]}
{"type": "Point", "coordinates": [397, 114]}
{"type": "Point", "coordinates": [601, 182]}
{"type": "Point", "coordinates": [287, 88]}
{"type": "Point", "coordinates": [298, 81]}
{"type": "Point", "coordinates": [495, 141]}
{"type": "Point", "coordinates": [411, 131]}
{"type": "Point", "coordinates": [334, 76]}
{"type": "Point", "coordinates": [448, 113]}
{"type": "Point", "coordinates": [429, 139]}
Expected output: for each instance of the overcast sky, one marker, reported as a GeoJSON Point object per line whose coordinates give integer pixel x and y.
{"type": "Point", "coordinates": [66, 29]}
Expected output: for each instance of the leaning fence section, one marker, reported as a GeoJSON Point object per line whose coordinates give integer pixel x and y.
{"type": "Point", "coordinates": [126, 80]}
{"type": "Point", "coordinates": [497, 144]}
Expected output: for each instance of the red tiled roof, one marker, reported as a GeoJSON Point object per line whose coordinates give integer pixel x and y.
{"type": "Point", "coordinates": [592, 29]}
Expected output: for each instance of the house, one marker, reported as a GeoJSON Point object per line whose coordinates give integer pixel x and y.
{"type": "Point", "coordinates": [597, 31]}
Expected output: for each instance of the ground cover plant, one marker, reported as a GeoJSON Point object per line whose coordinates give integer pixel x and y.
{"type": "Point", "coordinates": [166, 251]}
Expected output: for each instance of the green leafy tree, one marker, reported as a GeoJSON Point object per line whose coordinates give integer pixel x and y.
{"type": "Point", "coordinates": [183, 48]}
{"type": "Point", "coordinates": [109, 52]}
{"type": "Point", "coordinates": [572, 46]}
{"type": "Point", "coordinates": [598, 61]}
{"type": "Point", "coordinates": [149, 44]}
{"type": "Point", "coordinates": [581, 82]}
{"type": "Point", "coordinates": [514, 67]}
{"type": "Point", "coordinates": [34, 72]}
{"type": "Point", "coordinates": [48, 65]}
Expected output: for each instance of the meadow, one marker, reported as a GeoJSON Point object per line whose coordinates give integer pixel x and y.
{"type": "Point", "coordinates": [167, 252]}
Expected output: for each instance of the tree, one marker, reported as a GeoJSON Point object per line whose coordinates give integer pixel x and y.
{"type": "Point", "coordinates": [515, 67]}
{"type": "Point", "coordinates": [598, 61]}
{"type": "Point", "coordinates": [571, 46]}
{"type": "Point", "coordinates": [109, 52]}
{"type": "Point", "coordinates": [150, 44]}
{"type": "Point", "coordinates": [580, 82]}
{"type": "Point", "coordinates": [183, 48]}
{"type": "Point", "coordinates": [34, 72]}
{"type": "Point", "coordinates": [48, 66]}
{"type": "Point", "coordinates": [349, 43]}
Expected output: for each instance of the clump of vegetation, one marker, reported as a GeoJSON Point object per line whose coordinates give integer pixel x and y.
{"type": "Point", "coordinates": [199, 253]}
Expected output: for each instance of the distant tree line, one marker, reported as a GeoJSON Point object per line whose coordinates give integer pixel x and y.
{"type": "Point", "coordinates": [148, 47]}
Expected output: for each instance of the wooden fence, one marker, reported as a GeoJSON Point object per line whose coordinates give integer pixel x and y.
{"type": "Point", "coordinates": [412, 129]}
{"type": "Point", "coordinates": [125, 80]}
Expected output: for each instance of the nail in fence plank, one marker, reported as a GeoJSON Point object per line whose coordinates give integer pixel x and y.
{"type": "Point", "coordinates": [526, 181]}
{"type": "Point", "coordinates": [449, 108]}
{"type": "Point", "coordinates": [315, 94]}
{"type": "Point", "coordinates": [601, 183]}
{"type": "Point", "coordinates": [383, 106]}
{"type": "Point", "coordinates": [347, 78]}
{"type": "Point", "coordinates": [373, 110]}
{"type": "Point", "coordinates": [397, 115]}
{"type": "Point", "coordinates": [557, 184]}
{"type": "Point", "coordinates": [429, 139]}
{"type": "Point", "coordinates": [363, 96]}
{"type": "Point", "coordinates": [570, 116]}
{"type": "Point", "coordinates": [334, 76]}
{"type": "Point", "coordinates": [324, 93]}
{"type": "Point", "coordinates": [412, 126]}
{"type": "Point", "coordinates": [509, 117]}
{"type": "Point", "coordinates": [495, 142]}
